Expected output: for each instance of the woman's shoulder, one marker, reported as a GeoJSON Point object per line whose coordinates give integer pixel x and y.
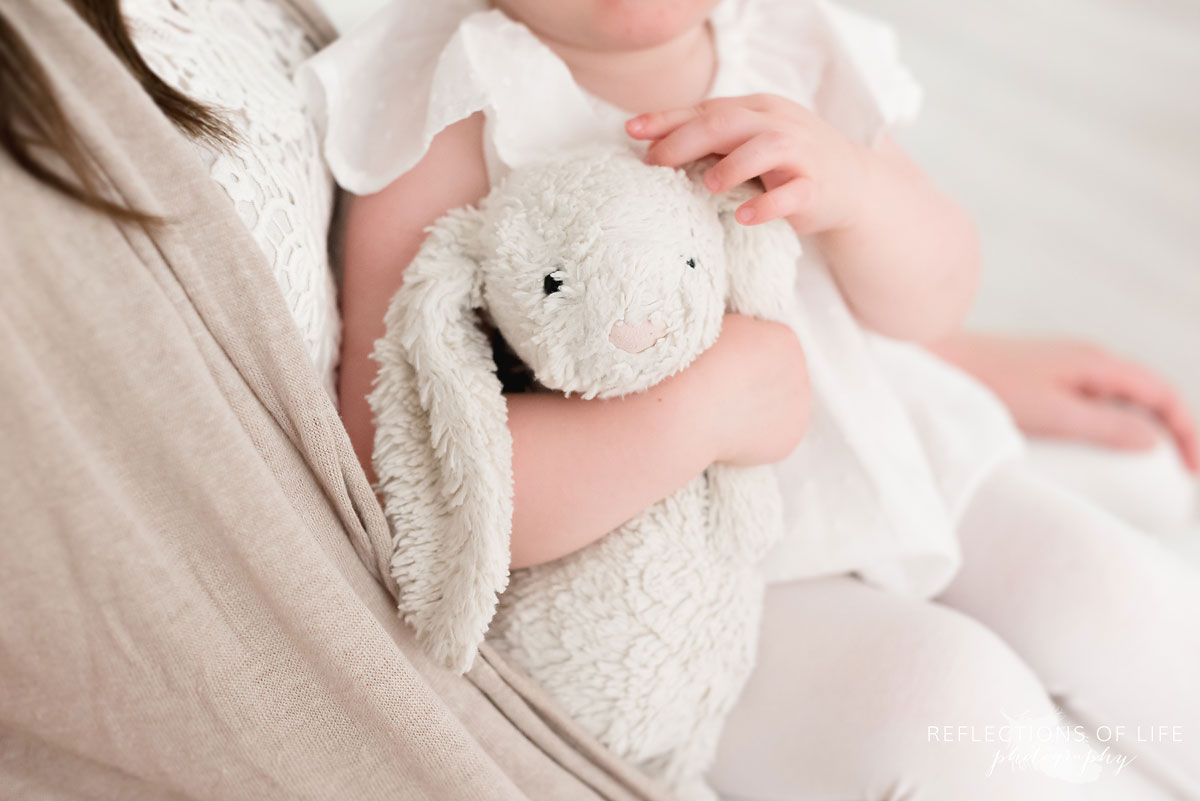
{"type": "Point", "coordinates": [239, 56]}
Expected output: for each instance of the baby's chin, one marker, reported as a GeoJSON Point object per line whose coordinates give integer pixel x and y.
{"type": "Point", "coordinates": [640, 24]}
{"type": "Point", "coordinates": [609, 24]}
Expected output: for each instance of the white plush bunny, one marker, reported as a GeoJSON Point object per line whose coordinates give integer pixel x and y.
{"type": "Point", "coordinates": [605, 276]}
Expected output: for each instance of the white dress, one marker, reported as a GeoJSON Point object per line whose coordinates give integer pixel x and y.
{"type": "Point", "coordinates": [899, 440]}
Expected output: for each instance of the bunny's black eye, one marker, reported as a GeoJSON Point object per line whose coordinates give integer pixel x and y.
{"type": "Point", "coordinates": [691, 263]}
{"type": "Point", "coordinates": [551, 284]}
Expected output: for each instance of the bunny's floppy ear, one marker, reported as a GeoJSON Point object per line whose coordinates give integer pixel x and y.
{"type": "Point", "coordinates": [443, 453]}
{"type": "Point", "coordinates": [761, 259]}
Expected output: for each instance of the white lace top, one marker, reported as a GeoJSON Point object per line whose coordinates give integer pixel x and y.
{"type": "Point", "coordinates": [239, 56]}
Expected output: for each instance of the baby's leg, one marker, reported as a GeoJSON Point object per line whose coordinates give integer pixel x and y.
{"type": "Point", "coordinates": [1107, 618]}
{"type": "Point", "coordinates": [851, 694]}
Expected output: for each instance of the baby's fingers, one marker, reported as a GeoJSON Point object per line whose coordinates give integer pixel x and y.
{"type": "Point", "coordinates": [1094, 420]}
{"type": "Point", "coordinates": [754, 158]}
{"type": "Point", "coordinates": [1113, 377]}
{"type": "Point", "coordinates": [718, 131]}
{"type": "Point", "coordinates": [791, 199]}
{"type": "Point", "coordinates": [1175, 417]}
{"type": "Point", "coordinates": [1189, 444]}
{"type": "Point", "coordinates": [657, 124]}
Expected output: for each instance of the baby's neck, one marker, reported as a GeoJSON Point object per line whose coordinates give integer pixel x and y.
{"type": "Point", "coordinates": [677, 73]}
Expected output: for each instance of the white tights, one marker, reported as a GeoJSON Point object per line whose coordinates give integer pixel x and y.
{"type": "Point", "coordinates": [1058, 604]}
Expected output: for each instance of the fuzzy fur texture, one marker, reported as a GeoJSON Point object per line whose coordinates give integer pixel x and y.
{"type": "Point", "coordinates": [646, 636]}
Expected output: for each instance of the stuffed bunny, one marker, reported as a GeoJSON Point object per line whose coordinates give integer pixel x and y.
{"type": "Point", "coordinates": [604, 276]}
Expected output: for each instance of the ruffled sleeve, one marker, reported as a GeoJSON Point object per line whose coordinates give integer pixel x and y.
{"type": "Point", "coordinates": [370, 90]}
{"type": "Point", "coordinates": [382, 92]}
{"type": "Point", "coordinates": [866, 90]}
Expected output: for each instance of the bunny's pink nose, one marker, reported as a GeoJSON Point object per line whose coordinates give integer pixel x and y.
{"type": "Point", "coordinates": [638, 337]}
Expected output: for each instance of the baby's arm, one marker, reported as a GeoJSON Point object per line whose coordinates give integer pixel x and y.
{"type": "Point", "coordinates": [580, 468]}
{"type": "Point", "coordinates": [1075, 390]}
{"type": "Point", "coordinates": [905, 256]}
{"type": "Point", "coordinates": [583, 467]}
{"type": "Point", "coordinates": [382, 234]}
{"type": "Point", "coordinates": [909, 262]}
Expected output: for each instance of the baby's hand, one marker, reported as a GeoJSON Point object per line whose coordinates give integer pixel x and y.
{"type": "Point", "coordinates": [814, 176]}
{"type": "Point", "coordinates": [1076, 391]}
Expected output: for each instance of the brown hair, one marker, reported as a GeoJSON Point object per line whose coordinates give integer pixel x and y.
{"type": "Point", "coordinates": [32, 121]}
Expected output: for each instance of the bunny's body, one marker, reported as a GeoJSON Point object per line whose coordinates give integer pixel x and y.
{"type": "Point", "coordinates": [647, 636]}
{"type": "Point", "coordinates": [605, 276]}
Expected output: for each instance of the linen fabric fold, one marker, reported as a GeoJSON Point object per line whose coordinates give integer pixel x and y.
{"type": "Point", "coordinates": [192, 564]}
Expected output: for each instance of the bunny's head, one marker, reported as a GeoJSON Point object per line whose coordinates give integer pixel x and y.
{"type": "Point", "coordinates": [605, 276]}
